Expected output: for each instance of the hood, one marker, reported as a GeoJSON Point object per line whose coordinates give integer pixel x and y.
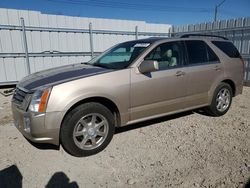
{"type": "Point", "coordinates": [59, 75]}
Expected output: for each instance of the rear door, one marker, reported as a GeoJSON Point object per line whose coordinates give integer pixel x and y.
{"type": "Point", "coordinates": [233, 63]}
{"type": "Point", "coordinates": [203, 70]}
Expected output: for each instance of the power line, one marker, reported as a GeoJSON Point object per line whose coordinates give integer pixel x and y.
{"type": "Point", "coordinates": [144, 5]}
{"type": "Point", "coordinates": [135, 6]}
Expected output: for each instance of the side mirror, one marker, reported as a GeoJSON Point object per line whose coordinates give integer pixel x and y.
{"type": "Point", "coordinates": [148, 66]}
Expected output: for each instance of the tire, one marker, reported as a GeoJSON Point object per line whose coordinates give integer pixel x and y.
{"type": "Point", "coordinates": [218, 110]}
{"type": "Point", "coordinates": [87, 129]}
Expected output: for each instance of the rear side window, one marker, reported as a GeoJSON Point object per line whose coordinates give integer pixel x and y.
{"type": "Point", "coordinates": [211, 55]}
{"type": "Point", "coordinates": [228, 48]}
{"type": "Point", "coordinates": [196, 52]}
{"type": "Point", "coordinates": [200, 52]}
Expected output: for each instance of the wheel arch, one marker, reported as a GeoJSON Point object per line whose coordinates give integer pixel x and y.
{"type": "Point", "coordinates": [102, 100]}
{"type": "Point", "coordinates": [229, 81]}
{"type": "Point", "coordinates": [232, 85]}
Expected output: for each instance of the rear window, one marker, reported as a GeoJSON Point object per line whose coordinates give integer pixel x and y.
{"type": "Point", "coordinates": [228, 48]}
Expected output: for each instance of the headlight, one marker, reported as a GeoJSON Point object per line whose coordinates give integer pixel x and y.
{"type": "Point", "coordinates": [39, 100]}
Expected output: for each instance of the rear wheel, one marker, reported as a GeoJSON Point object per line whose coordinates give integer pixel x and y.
{"type": "Point", "coordinates": [221, 101]}
{"type": "Point", "coordinates": [87, 129]}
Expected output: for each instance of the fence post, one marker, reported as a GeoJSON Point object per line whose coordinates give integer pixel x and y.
{"type": "Point", "coordinates": [205, 29]}
{"type": "Point", "coordinates": [242, 35]}
{"type": "Point", "coordinates": [136, 32]}
{"type": "Point", "coordinates": [91, 40]}
{"type": "Point", "coordinates": [170, 31]}
{"type": "Point", "coordinates": [25, 45]}
{"type": "Point", "coordinates": [234, 31]}
{"type": "Point", "coordinates": [226, 28]}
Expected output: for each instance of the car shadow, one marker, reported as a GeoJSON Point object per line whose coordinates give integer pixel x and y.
{"type": "Point", "coordinates": [43, 146]}
{"type": "Point", "coordinates": [11, 177]}
{"type": "Point", "coordinates": [201, 111]}
{"type": "Point", "coordinates": [151, 122]}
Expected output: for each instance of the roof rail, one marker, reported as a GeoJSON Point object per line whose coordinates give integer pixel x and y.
{"type": "Point", "coordinates": [202, 35]}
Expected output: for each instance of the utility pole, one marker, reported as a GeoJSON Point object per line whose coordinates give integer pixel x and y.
{"type": "Point", "coordinates": [216, 9]}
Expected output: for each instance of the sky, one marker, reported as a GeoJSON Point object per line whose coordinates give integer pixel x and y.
{"type": "Point", "coordinates": [176, 12]}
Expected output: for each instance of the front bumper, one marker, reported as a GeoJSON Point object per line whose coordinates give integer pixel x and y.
{"type": "Point", "coordinates": [33, 126]}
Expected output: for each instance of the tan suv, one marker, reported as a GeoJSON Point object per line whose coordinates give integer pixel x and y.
{"type": "Point", "coordinates": [79, 106]}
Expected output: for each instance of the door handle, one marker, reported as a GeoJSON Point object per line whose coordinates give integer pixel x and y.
{"type": "Point", "coordinates": [217, 68]}
{"type": "Point", "coordinates": [180, 73]}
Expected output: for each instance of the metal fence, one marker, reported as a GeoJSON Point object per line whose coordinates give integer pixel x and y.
{"type": "Point", "coordinates": [31, 41]}
{"type": "Point", "coordinates": [129, 35]}
{"type": "Point", "coordinates": [236, 30]}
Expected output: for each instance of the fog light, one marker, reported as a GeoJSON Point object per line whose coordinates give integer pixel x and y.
{"type": "Point", "coordinates": [26, 121]}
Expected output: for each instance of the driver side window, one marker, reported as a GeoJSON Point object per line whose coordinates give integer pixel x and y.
{"type": "Point", "coordinates": [169, 55]}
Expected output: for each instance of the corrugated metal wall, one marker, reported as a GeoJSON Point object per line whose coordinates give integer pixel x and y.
{"type": "Point", "coordinates": [55, 40]}
{"type": "Point", "coordinates": [236, 30]}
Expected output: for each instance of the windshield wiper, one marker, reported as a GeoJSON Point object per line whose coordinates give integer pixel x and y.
{"type": "Point", "coordinates": [95, 64]}
{"type": "Point", "coordinates": [101, 65]}
{"type": "Point", "coordinates": [85, 63]}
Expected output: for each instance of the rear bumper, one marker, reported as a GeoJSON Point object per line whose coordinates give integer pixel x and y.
{"type": "Point", "coordinates": [32, 126]}
{"type": "Point", "coordinates": [238, 89]}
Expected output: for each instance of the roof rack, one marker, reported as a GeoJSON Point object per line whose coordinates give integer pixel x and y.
{"type": "Point", "coordinates": [202, 35]}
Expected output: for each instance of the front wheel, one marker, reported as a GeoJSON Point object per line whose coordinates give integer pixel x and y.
{"type": "Point", "coordinates": [221, 101]}
{"type": "Point", "coordinates": [87, 129]}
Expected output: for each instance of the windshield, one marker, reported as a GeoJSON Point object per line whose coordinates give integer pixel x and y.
{"type": "Point", "coordinates": [120, 56]}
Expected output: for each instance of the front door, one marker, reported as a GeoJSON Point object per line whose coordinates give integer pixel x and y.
{"type": "Point", "coordinates": [161, 91]}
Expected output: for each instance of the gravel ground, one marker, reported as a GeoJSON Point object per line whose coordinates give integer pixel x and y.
{"type": "Point", "coordinates": [184, 150]}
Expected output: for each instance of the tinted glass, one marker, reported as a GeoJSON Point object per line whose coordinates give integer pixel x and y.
{"type": "Point", "coordinates": [228, 48]}
{"type": "Point", "coordinates": [169, 55]}
{"type": "Point", "coordinates": [211, 55]}
{"type": "Point", "coordinates": [197, 52]}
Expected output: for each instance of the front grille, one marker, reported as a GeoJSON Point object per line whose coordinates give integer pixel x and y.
{"type": "Point", "coordinates": [21, 98]}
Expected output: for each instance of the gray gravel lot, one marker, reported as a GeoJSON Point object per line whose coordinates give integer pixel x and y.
{"type": "Point", "coordinates": [184, 150]}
